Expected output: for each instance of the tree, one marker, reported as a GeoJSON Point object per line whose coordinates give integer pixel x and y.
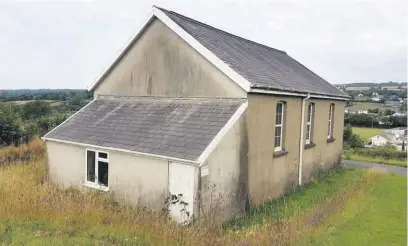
{"type": "Point", "coordinates": [389, 112]}
{"type": "Point", "coordinates": [11, 127]}
{"type": "Point", "coordinates": [35, 109]}
{"type": "Point", "coordinates": [403, 107]}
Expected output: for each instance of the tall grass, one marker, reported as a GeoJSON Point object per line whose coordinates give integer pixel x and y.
{"type": "Point", "coordinates": [32, 204]}
{"type": "Point", "coordinates": [23, 153]}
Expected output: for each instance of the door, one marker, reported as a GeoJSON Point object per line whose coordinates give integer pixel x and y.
{"type": "Point", "coordinates": [181, 191]}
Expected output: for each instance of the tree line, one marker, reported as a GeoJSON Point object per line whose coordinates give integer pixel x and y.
{"type": "Point", "coordinates": [22, 123]}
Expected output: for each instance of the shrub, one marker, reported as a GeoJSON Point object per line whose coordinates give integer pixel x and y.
{"type": "Point", "coordinates": [384, 152]}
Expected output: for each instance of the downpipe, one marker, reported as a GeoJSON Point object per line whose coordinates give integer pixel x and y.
{"type": "Point", "coordinates": [301, 145]}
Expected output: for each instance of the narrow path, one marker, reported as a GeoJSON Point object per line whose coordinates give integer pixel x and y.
{"type": "Point", "coordinates": [375, 166]}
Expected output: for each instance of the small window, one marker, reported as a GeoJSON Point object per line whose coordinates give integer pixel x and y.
{"type": "Point", "coordinates": [97, 169]}
{"type": "Point", "coordinates": [331, 121]}
{"type": "Point", "coordinates": [103, 155]}
{"type": "Point", "coordinates": [309, 123]}
{"type": "Point", "coordinates": [280, 108]}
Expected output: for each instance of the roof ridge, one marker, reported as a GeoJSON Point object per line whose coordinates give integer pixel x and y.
{"type": "Point", "coordinates": [217, 29]}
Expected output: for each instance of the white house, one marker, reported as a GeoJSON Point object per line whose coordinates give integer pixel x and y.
{"type": "Point", "coordinates": [379, 140]}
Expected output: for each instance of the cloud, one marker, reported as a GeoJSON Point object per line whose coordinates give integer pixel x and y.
{"type": "Point", "coordinates": [69, 44]}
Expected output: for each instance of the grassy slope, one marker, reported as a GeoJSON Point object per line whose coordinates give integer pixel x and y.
{"type": "Point", "coordinates": [366, 133]}
{"type": "Point", "coordinates": [376, 218]}
{"type": "Point", "coordinates": [363, 158]}
{"type": "Point", "coordinates": [35, 212]}
{"type": "Point", "coordinates": [300, 199]}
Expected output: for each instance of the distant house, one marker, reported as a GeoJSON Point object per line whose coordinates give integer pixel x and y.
{"type": "Point", "coordinates": [394, 104]}
{"type": "Point", "coordinates": [195, 114]}
{"type": "Point", "coordinates": [376, 99]}
{"type": "Point", "coordinates": [360, 95]}
{"type": "Point", "coordinates": [399, 114]}
{"type": "Point", "coordinates": [356, 111]}
{"type": "Point", "coordinates": [396, 137]}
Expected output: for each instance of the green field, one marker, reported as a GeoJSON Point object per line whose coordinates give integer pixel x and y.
{"type": "Point", "coordinates": [368, 105]}
{"type": "Point", "coordinates": [366, 132]}
{"type": "Point", "coordinates": [377, 217]}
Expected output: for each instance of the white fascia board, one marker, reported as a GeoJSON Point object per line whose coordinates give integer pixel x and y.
{"type": "Point", "coordinates": [123, 53]}
{"type": "Point", "coordinates": [217, 62]}
{"type": "Point", "coordinates": [69, 118]}
{"type": "Point", "coordinates": [96, 147]}
{"type": "Point", "coordinates": [283, 93]}
{"type": "Point", "coordinates": [220, 135]}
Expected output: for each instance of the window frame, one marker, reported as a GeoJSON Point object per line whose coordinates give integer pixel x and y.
{"type": "Point", "coordinates": [280, 147]}
{"type": "Point", "coordinates": [309, 135]}
{"type": "Point", "coordinates": [96, 184]}
{"type": "Point", "coordinates": [331, 119]}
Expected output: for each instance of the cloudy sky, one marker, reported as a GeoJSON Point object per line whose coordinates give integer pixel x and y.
{"type": "Point", "coordinates": [68, 44]}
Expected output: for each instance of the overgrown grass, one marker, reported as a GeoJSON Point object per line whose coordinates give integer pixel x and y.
{"type": "Point", "coordinates": [300, 199]}
{"type": "Point", "coordinates": [392, 162]}
{"type": "Point", "coordinates": [366, 133]}
{"type": "Point", "coordinates": [377, 217]}
{"type": "Point", "coordinates": [35, 212]}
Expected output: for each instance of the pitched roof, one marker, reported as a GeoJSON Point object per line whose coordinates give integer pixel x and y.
{"type": "Point", "coordinates": [179, 128]}
{"type": "Point", "coordinates": [264, 67]}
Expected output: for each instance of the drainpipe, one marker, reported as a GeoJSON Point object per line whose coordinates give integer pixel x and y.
{"type": "Point", "coordinates": [301, 145]}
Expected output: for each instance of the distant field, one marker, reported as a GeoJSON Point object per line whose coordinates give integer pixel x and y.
{"type": "Point", "coordinates": [368, 105]}
{"type": "Point", "coordinates": [52, 102]}
{"type": "Point", "coordinates": [357, 88]}
{"type": "Point", "coordinates": [366, 132]}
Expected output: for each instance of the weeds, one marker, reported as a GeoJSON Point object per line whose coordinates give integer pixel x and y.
{"type": "Point", "coordinates": [32, 207]}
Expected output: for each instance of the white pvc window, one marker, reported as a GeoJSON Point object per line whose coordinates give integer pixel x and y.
{"type": "Point", "coordinates": [280, 109]}
{"type": "Point", "coordinates": [97, 169]}
{"type": "Point", "coordinates": [331, 115]}
{"type": "Point", "coordinates": [309, 123]}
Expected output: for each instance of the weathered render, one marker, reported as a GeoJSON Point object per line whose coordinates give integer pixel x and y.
{"type": "Point", "coordinates": [224, 189]}
{"type": "Point", "coordinates": [325, 154]}
{"type": "Point", "coordinates": [160, 63]}
{"type": "Point", "coordinates": [133, 179]}
{"type": "Point", "coordinates": [270, 176]}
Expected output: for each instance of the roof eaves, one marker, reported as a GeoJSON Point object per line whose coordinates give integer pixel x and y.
{"type": "Point", "coordinates": [154, 156]}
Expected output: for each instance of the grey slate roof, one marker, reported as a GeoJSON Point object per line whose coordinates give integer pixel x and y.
{"type": "Point", "coordinates": [262, 66]}
{"type": "Point", "coordinates": [180, 128]}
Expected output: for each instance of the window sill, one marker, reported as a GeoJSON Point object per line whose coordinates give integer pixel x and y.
{"type": "Point", "coordinates": [309, 145]}
{"type": "Point", "coordinates": [329, 140]}
{"type": "Point", "coordinates": [280, 153]}
{"type": "Point", "coordinates": [96, 186]}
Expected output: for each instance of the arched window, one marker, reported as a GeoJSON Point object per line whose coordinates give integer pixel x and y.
{"type": "Point", "coordinates": [331, 121]}
{"type": "Point", "coordinates": [309, 123]}
{"type": "Point", "coordinates": [279, 124]}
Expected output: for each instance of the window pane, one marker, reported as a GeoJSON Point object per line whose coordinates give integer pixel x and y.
{"type": "Point", "coordinates": [103, 173]}
{"type": "Point", "coordinates": [277, 141]}
{"type": "Point", "coordinates": [329, 131]}
{"type": "Point", "coordinates": [90, 166]}
{"type": "Point", "coordinates": [278, 131]}
{"type": "Point", "coordinates": [103, 155]}
{"type": "Point", "coordinates": [307, 132]}
{"type": "Point", "coordinates": [309, 113]}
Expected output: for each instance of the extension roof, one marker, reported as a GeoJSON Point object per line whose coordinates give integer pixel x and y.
{"type": "Point", "coordinates": [170, 127]}
{"type": "Point", "coordinates": [253, 66]}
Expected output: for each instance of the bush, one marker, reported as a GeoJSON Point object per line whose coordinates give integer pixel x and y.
{"type": "Point", "coordinates": [350, 139]}
{"type": "Point", "coordinates": [384, 152]}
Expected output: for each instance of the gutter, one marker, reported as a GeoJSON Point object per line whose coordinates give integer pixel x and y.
{"type": "Point", "coordinates": [136, 153]}
{"type": "Point", "coordinates": [301, 145]}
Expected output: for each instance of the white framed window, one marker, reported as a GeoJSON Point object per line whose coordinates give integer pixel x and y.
{"type": "Point", "coordinates": [280, 109]}
{"type": "Point", "coordinates": [97, 170]}
{"type": "Point", "coordinates": [309, 123]}
{"type": "Point", "coordinates": [331, 115]}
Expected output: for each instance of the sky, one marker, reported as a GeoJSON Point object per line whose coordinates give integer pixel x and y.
{"type": "Point", "coordinates": [69, 44]}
